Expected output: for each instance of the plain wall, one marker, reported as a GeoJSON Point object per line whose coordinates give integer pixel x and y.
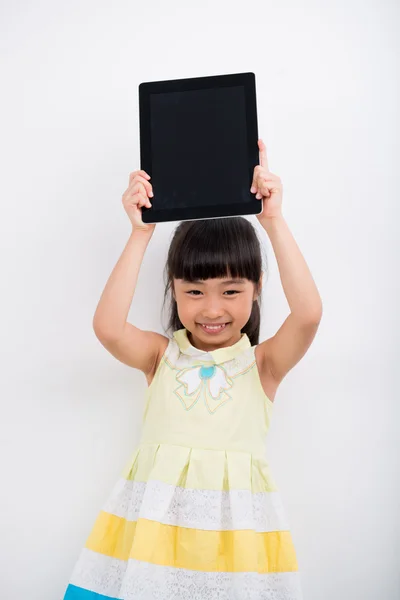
{"type": "Point", "coordinates": [327, 81]}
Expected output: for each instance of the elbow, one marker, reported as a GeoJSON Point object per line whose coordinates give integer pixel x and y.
{"type": "Point", "coordinates": [97, 326]}
{"type": "Point", "coordinates": [316, 314]}
{"type": "Point", "coordinates": [312, 315]}
{"type": "Point", "coordinates": [100, 332]}
{"type": "Point", "coordinates": [105, 332]}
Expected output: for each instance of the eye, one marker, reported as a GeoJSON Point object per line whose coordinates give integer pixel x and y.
{"type": "Point", "coordinates": [230, 292]}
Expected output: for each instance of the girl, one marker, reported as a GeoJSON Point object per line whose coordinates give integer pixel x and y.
{"type": "Point", "coordinates": [196, 513]}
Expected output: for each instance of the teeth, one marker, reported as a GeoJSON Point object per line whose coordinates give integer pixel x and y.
{"type": "Point", "coordinates": [213, 326]}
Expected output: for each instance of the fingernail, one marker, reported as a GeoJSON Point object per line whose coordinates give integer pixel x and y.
{"type": "Point", "coordinates": [151, 194]}
{"type": "Point", "coordinates": [252, 189]}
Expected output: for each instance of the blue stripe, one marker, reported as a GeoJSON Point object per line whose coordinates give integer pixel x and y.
{"type": "Point", "coordinates": [77, 593]}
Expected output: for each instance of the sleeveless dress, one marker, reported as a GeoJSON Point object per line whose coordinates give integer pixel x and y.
{"type": "Point", "coordinates": [196, 514]}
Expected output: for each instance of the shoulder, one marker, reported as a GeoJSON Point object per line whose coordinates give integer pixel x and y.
{"type": "Point", "coordinates": [268, 382]}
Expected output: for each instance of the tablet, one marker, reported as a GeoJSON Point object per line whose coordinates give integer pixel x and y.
{"type": "Point", "coordinates": [198, 143]}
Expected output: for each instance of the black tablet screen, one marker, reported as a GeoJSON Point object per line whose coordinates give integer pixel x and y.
{"type": "Point", "coordinates": [199, 147]}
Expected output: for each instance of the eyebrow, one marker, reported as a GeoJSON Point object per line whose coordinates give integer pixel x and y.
{"type": "Point", "coordinates": [225, 282]}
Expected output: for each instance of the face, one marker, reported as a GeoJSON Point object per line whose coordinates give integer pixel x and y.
{"type": "Point", "coordinates": [224, 301]}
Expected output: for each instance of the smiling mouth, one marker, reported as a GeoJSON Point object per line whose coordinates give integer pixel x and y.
{"type": "Point", "coordinates": [213, 328]}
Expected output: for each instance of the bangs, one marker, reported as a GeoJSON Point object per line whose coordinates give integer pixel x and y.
{"type": "Point", "coordinates": [217, 248]}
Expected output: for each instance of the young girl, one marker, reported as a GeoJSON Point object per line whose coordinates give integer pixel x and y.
{"type": "Point", "coordinates": [196, 514]}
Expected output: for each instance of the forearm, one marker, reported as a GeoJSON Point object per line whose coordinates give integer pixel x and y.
{"type": "Point", "coordinates": [297, 282]}
{"type": "Point", "coordinates": [113, 308]}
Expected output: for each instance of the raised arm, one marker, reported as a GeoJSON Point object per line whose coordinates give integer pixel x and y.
{"type": "Point", "coordinates": [282, 352]}
{"type": "Point", "coordinates": [128, 343]}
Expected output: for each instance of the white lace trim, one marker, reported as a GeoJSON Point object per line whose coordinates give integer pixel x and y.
{"type": "Point", "coordinates": [136, 580]}
{"type": "Point", "coordinates": [197, 509]}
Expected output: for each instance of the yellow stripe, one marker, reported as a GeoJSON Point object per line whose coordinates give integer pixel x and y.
{"type": "Point", "coordinates": [196, 549]}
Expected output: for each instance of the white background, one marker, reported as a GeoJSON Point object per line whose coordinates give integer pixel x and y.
{"type": "Point", "coordinates": [327, 81]}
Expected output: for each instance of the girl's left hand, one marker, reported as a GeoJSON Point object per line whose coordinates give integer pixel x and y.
{"type": "Point", "coordinates": [267, 186]}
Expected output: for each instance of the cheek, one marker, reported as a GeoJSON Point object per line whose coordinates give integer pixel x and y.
{"type": "Point", "coordinates": [247, 306]}
{"type": "Point", "coordinates": [185, 308]}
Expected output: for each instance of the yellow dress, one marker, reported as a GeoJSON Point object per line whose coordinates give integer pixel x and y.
{"type": "Point", "coordinates": [196, 514]}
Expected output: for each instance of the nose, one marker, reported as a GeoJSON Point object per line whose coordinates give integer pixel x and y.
{"type": "Point", "coordinates": [213, 311]}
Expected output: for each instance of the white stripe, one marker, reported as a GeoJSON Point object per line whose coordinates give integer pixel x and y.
{"type": "Point", "coordinates": [136, 580]}
{"type": "Point", "coordinates": [197, 509]}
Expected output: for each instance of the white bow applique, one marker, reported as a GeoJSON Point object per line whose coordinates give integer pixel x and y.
{"type": "Point", "coordinates": [209, 380]}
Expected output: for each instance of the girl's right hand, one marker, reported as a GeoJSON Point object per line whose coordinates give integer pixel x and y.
{"type": "Point", "coordinates": [136, 196]}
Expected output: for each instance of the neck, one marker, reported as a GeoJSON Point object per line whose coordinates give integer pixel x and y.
{"type": "Point", "coordinates": [209, 347]}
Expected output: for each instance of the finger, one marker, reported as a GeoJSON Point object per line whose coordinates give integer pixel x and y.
{"type": "Point", "coordinates": [263, 191]}
{"type": "Point", "coordinates": [136, 195]}
{"type": "Point", "coordinates": [262, 177]}
{"type": "Point", "coordinates": [135, 187]}
{"type": "Point", "coordinates": [254, 183]}
{"type": "Point", "coordinates": [257, 173]}
{"type": "Point", "coordinates": [148, 188]}
{"type": "Point", "coordinates": [270, 185]}
{"type": "Point", "coordinates": [141, 200]}
{"type": "Point", "coordinates": [139, 172]}
{"type": "Point", "coordinates": [265, 187]}
{"type": "Point", "coordinates": [263, 155]}
{"type": "Point", "coordinates": [260, 195]}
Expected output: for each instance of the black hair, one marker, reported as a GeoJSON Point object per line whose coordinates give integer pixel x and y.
{"type": "Point", "coordinates": [211, 248]}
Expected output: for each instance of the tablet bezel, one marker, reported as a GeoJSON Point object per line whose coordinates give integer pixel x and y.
{"type": "Point", "coordinates": [247, 80]}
